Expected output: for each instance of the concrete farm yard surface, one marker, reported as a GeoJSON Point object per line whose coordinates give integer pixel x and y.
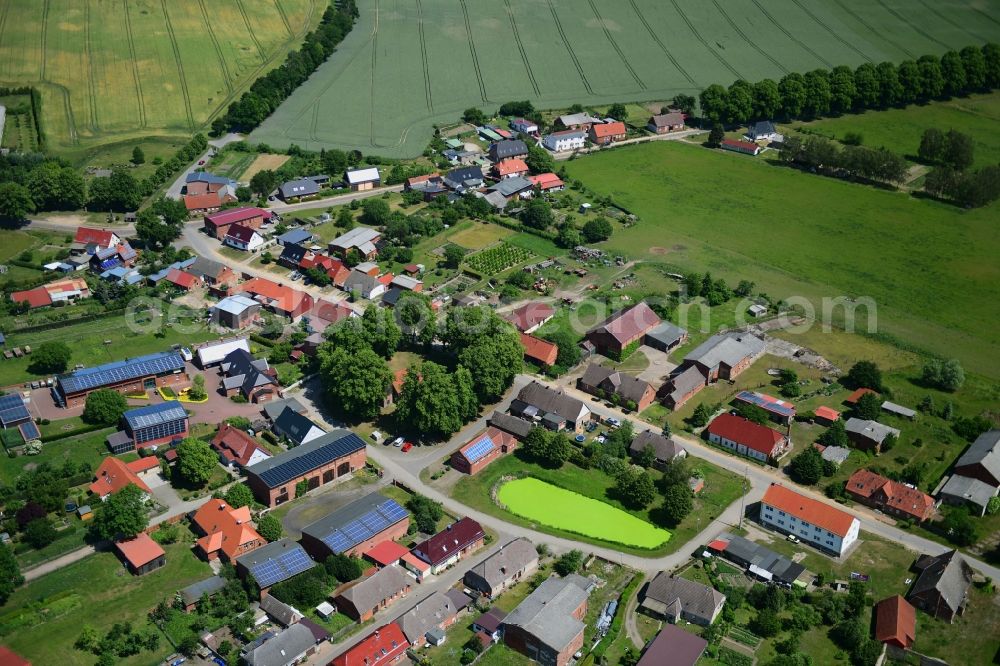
{"type": "Point", "coordinates": [929, 266]}
{"type": "Point", "coordinates": [112, 70]}
{"type": "Point", "coordinates": [556, 507]}
{"type": "Point", "coordinates": [406, 66]}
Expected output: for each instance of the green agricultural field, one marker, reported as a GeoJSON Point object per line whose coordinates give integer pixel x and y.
{"type": "Point", "coordinates": [900, 129]}
{"type": "Point", "coordinates": [929, 267]}
{"type": "Point", "coordinates": [112, 70]}
{"type": "Point", "coordinates": [563, 509]}
{"type": "Point", "coordinates": [407, 65]}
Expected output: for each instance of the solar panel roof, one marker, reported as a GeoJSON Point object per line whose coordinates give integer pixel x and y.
{"type": "Point", "coordinates": [767, 402]}
{"type": "Point", "coordinates": [29, 431]}
{"type": "Point", "coordinates": [119, 371]}
{"type": "Point", "coordinates": [480, 449]}
{"type": "Point", "coordinates": [289, 465]}
{"type": "Point", "coordinates": [276, 562]}
{"type": "Point", "coordinates": [152, 415]}
{"type": "Point", "coordinates": [358, 521]}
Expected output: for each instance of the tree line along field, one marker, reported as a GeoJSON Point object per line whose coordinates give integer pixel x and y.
{"type": "Point", "coordinates": [930, 267]}
{"type": "Point", "coordinates": [410, 63]}
{"type": "Point", "coordinates": [115, 69]}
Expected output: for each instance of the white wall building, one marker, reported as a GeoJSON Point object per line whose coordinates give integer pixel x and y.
{"type": "Point", "coordinates": [810, 520]}
{"type": "Point", "coordinates": [568, 140]}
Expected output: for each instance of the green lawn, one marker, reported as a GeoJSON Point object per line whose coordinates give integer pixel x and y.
{"type": "Point", "coordinates": [900, 129]}
{"type": "Point", "coordinates": [566, 510]}
{"type": "Point", "coordinates": [721, 489]}
{"type": "Point", "coordinates": [42, 619]}
{"type": "Point", "coordinates": [89, 448]}
{"type": "Point", "coordinates": [976, 633]}
{"type": "Point", "coordinates": [928, 266]}
{"type": "Point", "coordinates": [101, 341]}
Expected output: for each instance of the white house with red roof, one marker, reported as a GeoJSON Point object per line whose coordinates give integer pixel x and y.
{"type": "Point", "coordinates": [243, 238]}
{"type": "Point", "coordinates": [547, 182]}
{"type": "Point", "coordinates": [746, 437]}
{"type": "Point", "coordinates": [92, 240]}
{"type": "Point", "coordinates": [529, 317]}
{"type": "Point", "coordinates": [811, 520]}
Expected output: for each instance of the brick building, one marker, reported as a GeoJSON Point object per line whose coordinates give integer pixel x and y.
{"type": "Point", "coordinates": [892, 497]}
{"type": "Point", "coordinates": [217, 224]}
{"type": "Point", "coordinates": [354, 529]}
{"type": "Point", "coordinates": [319, 461]}
{"type": "Point", "coordinates": [451, 545]}
{"type": "Point", "coordinates": [481, 450]}
{"type": "Point", "coordinates": [548, 625]}
{"type": "Point", "coordinates": [134, 375]}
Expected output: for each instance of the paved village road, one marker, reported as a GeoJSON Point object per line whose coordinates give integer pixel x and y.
{"type": "Point", "coordinates": [336, 200]}
{"type": "Point", "coordinates": [174, 191]}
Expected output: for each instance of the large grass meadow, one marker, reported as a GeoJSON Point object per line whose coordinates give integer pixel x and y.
{"type": "Point", "coordinates": [408, 65]}
{"type": "Point", "coordinates": [117, 69]}
{"type": "Point", "coordinates": [931, 268]}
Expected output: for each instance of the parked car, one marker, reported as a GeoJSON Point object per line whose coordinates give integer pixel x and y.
{"type": "Point", "coordinates": [398, 441]}
{"type": "Point", "coordinates": [406, 447]}
{"type": "Point", "coordinates": [591, 426]}
{"type": "Point", "coordinates": [612, 421]}
{"type": "Point", "coordinates": [793, 538]}
{"type": "Point", "coordinates": [377, 436]}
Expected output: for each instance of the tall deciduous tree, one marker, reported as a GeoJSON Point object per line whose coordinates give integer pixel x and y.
{"type": "Point", "coordinates": [429, 402]}
{"type": "Point", "coordinates": [121, 516]}
{"type": "Point", "coordinates": [890, 89]}
{"type": "Point", "coordinates": [355, 381]}
{"type": "Point", "coordinates": [793, 94]}
{"type": "Point", "coordinates": [866, 87]}
{"type": "Point", "coordinates": [195, 460]}
{"type": "Point", "coordinates": [739, 101]}
{"type": "Point", "coordinates": [269, 527]}
{"type": "Point", "coordinates": [15, 202]}
{"type": "Point", "coordinates": [766, 99]}
{"type": "Point", "coordinates": [10, 574]}
{"type": "Point", "coordinates": [104, 406]}
{"type": "Point", "coordinates": [677, 503]}
{"type": "Point", "coordinates": [49, 357]}
{"type": "Point", "coordinates": [713, 103]}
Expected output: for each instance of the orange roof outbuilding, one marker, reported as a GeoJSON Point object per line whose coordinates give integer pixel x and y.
{"type": "Point", "coordinates": [10, 658]}
{"type": "Point", "coordinates": [113, 475]}
{"type": "Point", "coordinates": [139, 550]}
{"type": "Point", "coordinates": [827, 413]}
{"type": "Point", "coordinates": [895, 622]}
{"type": "Point", "coordinates": [854, 397]}
{"type": "Point", "coordinates": [386, 553]}
{"type": "Point", "coordinates": [809, 510]}
{"type": "Point", "coordinates": [538, 350]}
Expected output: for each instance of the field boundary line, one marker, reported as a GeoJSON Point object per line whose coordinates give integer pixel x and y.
{"type": "Point", "coordinates": [872, 30]}
{"type": "Point", "coordinates": [945, 18]}
{"type": "Point", "coordinates": [735, 26]}
{"type": "Point", "coordinates": [226, 76]}
{"type": "Point", "coordinates": [614, 44]}
{"type": "Point", "coordinates": [89, 53]}
{"type": "Point", "coordinates": [520, 47]}
{"type": "Point", "coordinates": [284, 18]}
{"type": "Point", "coordinates": [836, 35]}
{"type": "Point", "coordinates": [371, 85]}
{"type": "Point", "coordinates": [253, 35]}
{"type": "Point", "coordinates": [663, 47]}
{"type": "Point", "coordinates": [917, 29]}
{"type": "Point", "coordinates": [428, 95]}
{"type": "Point", "coordinates": [44, 38]}
{"type": "Point", "coordinates": [472, 49]}
{"type": "Point", "coordinates": [180, 65]}
{"type": "Point", "coordinates": [792, 37]}
{"type": "Point", "coordinates": [980, 11]}
{"type": "Point", "coordinates": [569, 48]}
{"type": "Point", "coordinates": [143, 121]}
{"type": "Point", "coordinates": [4, 9]}
{"type": "Point", "coordinates": [704, 42]}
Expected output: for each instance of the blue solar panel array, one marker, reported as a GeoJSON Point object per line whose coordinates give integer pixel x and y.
{"type": "Point", "coordinates": [29, 431]}
{"type": "Point", "coordinates": [12, 409]}
{"type": "Point", "coordinates": [152, 415]}
{"type": "Point", "coordinates": [281, 567]}
{"type": "Point", "coordinates": [120, 371]}
{"type": "Point", "coordinates": [480, 449]}
{"type": "Point", "coordinates": [295, 463]}
{"type": "Point", "coordinates": [782, 408]}
{"type": "Point", "coordinates": [385, 515]}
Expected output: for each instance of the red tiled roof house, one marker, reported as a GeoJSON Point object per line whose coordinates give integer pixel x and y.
{"type": "Point", "coordinates": [895, 622]}
{"type": "Point", "coordinates": [481, 450]}
{"type": "Point", "coordinates": [623, 331]}
{"type": "Point", "coordinates": [141, 554]}
{"type": "Point", "coordinates": [746, 437]}
{"type": "Point", "coordinates": [607, 133]}
{"type": "Point", "coordinates": [814, 522]}
{"type": "Point", "coordinates": [386, 645]}
{"type": "Point", "coordinates": [227, 533]}
{"type": "Point", "coordinates": [892, 497]}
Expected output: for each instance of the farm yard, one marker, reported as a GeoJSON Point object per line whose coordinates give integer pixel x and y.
{"type": "Point", "coordinates": [932, 284]}
{"type": "Point", "coordinates": [497, 259]}
{"type": "Point", "coordinates": [399, 71]}
{"type": "Point", "coordinates": [113, 71]}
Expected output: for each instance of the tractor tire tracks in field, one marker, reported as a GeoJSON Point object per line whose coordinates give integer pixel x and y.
{"type": "Point", "coordinates": [371, 85]}
{"type": "Point", "coordinates": [44, 38]}
{"type": "Point", "coordinates": [984, 14]}
{"type": "Point", "coordinates": [778, 24]}
{"type": "Point", "coordinates": [663, 47]}
{"type": "Point", "coordinates": [284, 18]}
{"type": "Point", "coordinates": [472, 50]}
{"type": "Point", "coordinates": [520, 48]}
{"type": "Point", "coordinates": [89, 55]}
{"type": "Point", "coordinates": [428, 95]}
{"type": "Point", "coordinates": [704, 42]}
{"type": "Point", "coordinates": [872, 30]}
{"type": "Point", "coordinates": [4, 9]}
{"type": "Point", "coordinates": [569, 48]}
{"type": "Point", "coordinates": [227, 78]}
{"type": "Point", "coordinates": [946, 19]}
{"type": "Point", "coordinates": [614, 45]}
{"type": "Point", "coordinates": [135, 65]}
{"type": "Point", "coordinates": [253, 36]}
{"type": "Point", "coordinates": [916, 28]}
{"type": "Point", "coordinates": [74, 136]}
{"type": "Point", "coordinates": [180, 65]}
{"type": "Point", "coordinates": [746, 38]}
{"type": "Point", "coordinates": [836, 35]}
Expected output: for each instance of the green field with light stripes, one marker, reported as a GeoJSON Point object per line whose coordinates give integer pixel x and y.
{"type": "Point", "coordinates": [411, 63]}
{"type": "Point", "coordinates": [111, 70]}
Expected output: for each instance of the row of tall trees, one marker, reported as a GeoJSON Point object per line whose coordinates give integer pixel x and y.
{"type": "Point", "coordinates": [841, 90]}
{"type": "Point", "coordinates": [269, 91]}
{"type": "Point", "coordinates": [878, 164]}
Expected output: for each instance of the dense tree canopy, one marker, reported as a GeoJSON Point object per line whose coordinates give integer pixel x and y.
{"type": "Point", "coordinates": [104, 406]}
{"type": "Point", "coordinates": [196, 460]}
{"type": "Point", "coordinates": [121, 516]}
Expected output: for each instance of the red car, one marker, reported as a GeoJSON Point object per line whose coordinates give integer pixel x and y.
{"type": "Point", "coordinates": [406, 447]}
{"type": "Point", "coordinates": [201, 162]}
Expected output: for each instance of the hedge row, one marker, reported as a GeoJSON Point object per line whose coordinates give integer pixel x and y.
{"type": "Point", "coordinates": [82, 430]}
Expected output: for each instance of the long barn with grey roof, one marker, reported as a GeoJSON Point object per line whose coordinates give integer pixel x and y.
{"type": "Point", "coordinates": [355, 528]}
{"type": "Point", "coordinates": [318, 462]}
{"type": "Point", "coordinates": [134, 375]}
